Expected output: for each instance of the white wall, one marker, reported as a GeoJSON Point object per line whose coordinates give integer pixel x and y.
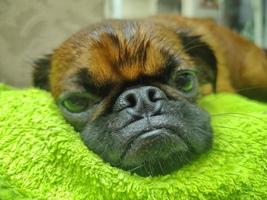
{"type": "Point", "coordinates": [130, 8]}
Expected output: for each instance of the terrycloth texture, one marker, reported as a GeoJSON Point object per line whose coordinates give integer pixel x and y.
{"type": "Point", "coordinates": [42, 157]}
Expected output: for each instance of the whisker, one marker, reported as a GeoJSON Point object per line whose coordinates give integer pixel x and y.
{"type": "Point", "coordinates": [105, 149]}
{"type": "Point", "coordinates": [238, 114]}
{"type": "Point", "coordinates": [31, 128]}
{"type": "Point", "coordinates": [179, 157]}
{"type": "Point", "coordinates": [251, 88]}
{"type": "Point", "coordinates": [193, 47]}
{"type": "Point", "coordinates": [146, 170]}
{"type": "Point", "coordinates": [230, 128]}
{"type": "Point", "coordinates": [190, 42]}
{"type": "Point", "coordinates": [200, 130]}
{"type": "Point", "coordinates": [185, 49]}
{"type": "Point", "coordinates": [160, 166]}
{"type": "Point", "coordinates": [197, 38]}
{"type": "Point", "coordinates": [135, 168]}
{"type": "Point", "coordinates": [152, 169]}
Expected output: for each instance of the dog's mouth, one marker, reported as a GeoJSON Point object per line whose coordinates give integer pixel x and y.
{"type": "Point", "coordinates": [153, 143]}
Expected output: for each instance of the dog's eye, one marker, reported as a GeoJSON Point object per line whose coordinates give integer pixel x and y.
{"type": "Point", "coordinates": [78, 102]}
{"type": "Point", "coordinates": [185, 81]}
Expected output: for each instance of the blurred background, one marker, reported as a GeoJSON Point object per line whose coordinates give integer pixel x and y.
{"type": "Point", "coordinates": [30, 29]}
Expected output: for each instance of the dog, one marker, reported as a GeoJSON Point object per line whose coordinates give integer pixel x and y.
{"type": "Point", "coordinates": [130, 87]}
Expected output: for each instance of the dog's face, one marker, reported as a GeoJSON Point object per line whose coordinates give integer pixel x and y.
{"type": "Point", "coordinates": [129, 88]}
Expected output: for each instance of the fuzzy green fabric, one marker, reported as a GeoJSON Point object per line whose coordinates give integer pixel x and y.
{"type": "Point", "coordinates": [42, 157]}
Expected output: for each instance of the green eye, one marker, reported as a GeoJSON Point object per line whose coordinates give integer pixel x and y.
{"type": "Point", "coordinates": [185, 81]}
{"type": "Point", "coordinates": [78, 102]}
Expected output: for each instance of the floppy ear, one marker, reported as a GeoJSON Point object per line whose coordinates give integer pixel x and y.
{"type": "Point", "coordinates": [41, 72]}
{"type": "Point", "coordinates": [203, 56]}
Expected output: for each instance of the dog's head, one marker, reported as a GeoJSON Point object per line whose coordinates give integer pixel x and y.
{"type": "Point", "coordinates": [129, 87]}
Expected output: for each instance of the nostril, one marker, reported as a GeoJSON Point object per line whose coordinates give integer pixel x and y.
{"type": "Point", "coordinates": [131, 100]}
{"type": "Point", "coordinates": [151, 95]}
{"type": "Point", "coordinates": [141, 100]}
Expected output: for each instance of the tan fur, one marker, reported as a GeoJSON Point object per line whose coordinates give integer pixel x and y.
{"type": "Point", "coordinates": [240, 63]}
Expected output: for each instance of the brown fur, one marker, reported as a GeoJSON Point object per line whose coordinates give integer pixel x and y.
{"type": "Point", "coordinates": [241, 64]}
{"type": "Point", "coordinates": [116, 52]}
{"type": "Point", "coordinates": [130, 87]}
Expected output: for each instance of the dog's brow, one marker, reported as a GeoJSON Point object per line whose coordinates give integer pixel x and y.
{"type": "Point", "coordinates": [171, 62]}
{"type": "Point", "coordinates": [84, 79]}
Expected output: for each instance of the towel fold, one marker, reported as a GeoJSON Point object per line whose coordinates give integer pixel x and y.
{"type": "Point", "coordinates": [42, 157]}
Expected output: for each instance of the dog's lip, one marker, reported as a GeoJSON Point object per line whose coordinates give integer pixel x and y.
{"type": "Point", "coordinates": [148, 124]}
{"type": "Point", "coordinates": [147, 147]}
{"type": "Point", "coordinates": [143, 135]}
{"type": "Point", "coordinates": [148, 127]}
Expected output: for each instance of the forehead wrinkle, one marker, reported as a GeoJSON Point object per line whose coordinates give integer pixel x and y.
{"type": "Point", "coordinates": [121, 58]}
{"type": "Point", "coordinates": [127, 50]}
{"type": "Point", "coordinates": [97, 46]}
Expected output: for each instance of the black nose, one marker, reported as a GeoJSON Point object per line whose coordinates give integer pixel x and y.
{"type": "Point", "coordinates": [141, 101]}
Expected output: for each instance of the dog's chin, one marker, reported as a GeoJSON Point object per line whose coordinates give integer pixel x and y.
{"type": "Point", "coordinates": [151, 146]}
{"type": "Point", "coordinates": [155, 152]}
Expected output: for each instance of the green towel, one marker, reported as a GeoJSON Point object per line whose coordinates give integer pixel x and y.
{"type": "Point", "coordinates": [42, 157]}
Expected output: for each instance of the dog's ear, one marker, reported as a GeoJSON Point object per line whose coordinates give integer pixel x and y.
{"type": "Point", "coordinates": [41, 72]}
{"type": "Point", "coordinates": [203, 56]}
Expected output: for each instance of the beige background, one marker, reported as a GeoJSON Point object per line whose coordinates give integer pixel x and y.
{"type": "Point", "coordinates": [32, 28]}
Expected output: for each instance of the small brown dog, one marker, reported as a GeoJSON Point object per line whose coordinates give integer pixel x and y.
{"type": "Point", "coordinates": [129, 86]}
